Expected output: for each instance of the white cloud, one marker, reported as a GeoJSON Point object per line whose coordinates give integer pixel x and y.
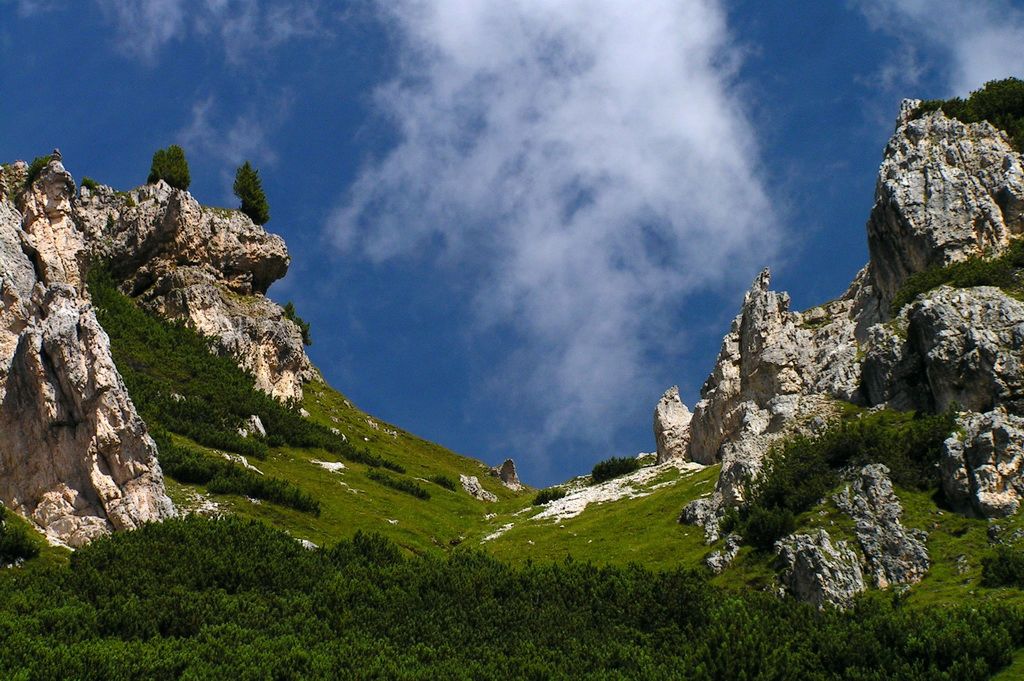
{"type": "Point", "coordinates": [588, 162]}
{"type": "Point", "coordinates": [243, 28]}
{"type": "Point", "coordinates": [982, 40]}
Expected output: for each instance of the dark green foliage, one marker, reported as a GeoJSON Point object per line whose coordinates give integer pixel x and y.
{"type": "Point", "coordinates": [804, 470]}
{"type": "Point", "coordinates": [220, 476]}
{"type": "Point", "coordinates": [170, 166]}
{"type": "Point", "coordinates": [35, 168]}
{"type": "Point", "coordinates": [1003, 567]}
{"type": "Point", "coordinates": [400, 484]}
{"type": "Point", "coordinates": [549, 494]}
{"type": "Point", "coordinates": [1000, 102]}
{"type": "Point", "coordinates": [613, 468]}
{"type": "Point", "coordinates": [290, 313]}
{"type": "Point", "coordinates": [178, 382]}
{"type": "Point", "coordinates": [1004, 271]}
{"type": "Point", "coordinates": [249, 190]}
{"type": "Point", "coordinates": [443, 481]}
{"type": "Point", "coordinates": [90, 184]}
{"type": "Point", "coordinates": [202, 599]}
{"type": "Point", "coordinates": [15, 542]}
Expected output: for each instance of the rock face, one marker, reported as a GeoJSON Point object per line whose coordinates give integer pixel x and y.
{"type": "Point", "coordinates": [207, 267]}
{"type": "Point", "coordinates": [506, 472]}
{"type": "Point", "coordinates": [718, 561]}
{"type": "Point", "coordinates": [671, 426]}
{"type": "Point", "coordinates": [472, 485]}
{"type": "Point", "coordinates": [817, 571]}
{"type": "Point", "coordinates": [894, 554]}
{"type": "Point", "coordinates": [75, 457]}
{"type": "Point", "coordinates": [983, 468]}
{"type": "Point", "coordinates": [946, 191]}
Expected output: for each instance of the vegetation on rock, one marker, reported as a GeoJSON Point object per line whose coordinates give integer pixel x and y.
{"type": "Point", "coordinates": [1000, 102]}
{"type": "Point", "coordinates": [613, 468]}
{"type": "Point", "coordinates": [291, 314]}
{"type": "Point", "coordinates": [170, 166]}
{"type": "Point", "coordinates": [1004, 271]}
{"type": "Point", "coordinates": [15, 542]}
{"type": "Point", "coordinates": [550, 494]}
{"type": "Point", "coordinates": [249, 190]}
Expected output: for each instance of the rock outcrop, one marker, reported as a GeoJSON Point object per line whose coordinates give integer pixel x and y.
{"type": "Point", "coordinates": [671, 426]}
{"type": "Point", "coordinates": [817, 571]}
{"type": "Point", "coordinates": [472, 485]}
{"type": "Point", "coordinates": [983, 467]}
{"type": "Point", "coordinates": [718, 561]}
{"type": "Point", "coordinates": [894, 554]}
{"type": "Point", "coordinates": [75, 457]}
{"type": "Point", "coordinates": [946, 191]}
{"type": "Point", "coordinates": [208, 267]}
{"type": "Point", "coordinates": [506, 472]}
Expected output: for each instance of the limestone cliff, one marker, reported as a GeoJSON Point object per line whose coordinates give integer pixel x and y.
{"type": "Point", "coordinates": [75, 457]}
{"type": "Point", "coordinates": [947, 191]}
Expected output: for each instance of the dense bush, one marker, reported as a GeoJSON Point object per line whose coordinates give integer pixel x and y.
{"type": "Point", "coordinates": [170, 166]}
{"type": "Point", "coordinates": [804, 470]}
{"type": "Point", "coordinates": [291, 314]}
{"type": "Point", "coordinates": [195, 598]}
{"type": "Point", "coordinates": [443, 481]}
{"type": "Point", "coordinates": [547, 495]}
{"type": "Point", "coordinates": [1004, 567]}
{"type": "Point", "coordinates": [15, 542]}
{"type": "Point", "coordinates": [400, 484]}
{"type": "Point", "coordinates": [1000, 102]}
{"type": "Point", "coordinates": [613, 468]}
{"type": "Point", "coordinates": [1004, 271]}
{"type": "Point", "coordinates": [36, 168]}
{"type": "Point", "coordinates": [249, 190]}
{"type": "Point", "coordinates": [221, 476]}
{"type": "Point", "coordinates": [178, 382]}
{"type": "Point", "coordinates": [90, 184]}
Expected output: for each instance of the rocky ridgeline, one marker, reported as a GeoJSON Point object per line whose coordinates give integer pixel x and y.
{"type": "Point", "coordinates": [946, 191]}
{"type": "Point", "coordinates": [75, 457]}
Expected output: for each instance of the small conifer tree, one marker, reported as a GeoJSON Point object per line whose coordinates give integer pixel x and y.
{"type": "Point", "coordinates": [170, 166]}
{"type": "Point", "coordinates": [249, 190]}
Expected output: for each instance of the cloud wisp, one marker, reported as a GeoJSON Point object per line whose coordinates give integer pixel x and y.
{"type": "Point", "coordinates": [588, 164]}
{"type": "Point", "coordinates": [242, 28]}
{"type": "Point", "coordinates": [980, 40]}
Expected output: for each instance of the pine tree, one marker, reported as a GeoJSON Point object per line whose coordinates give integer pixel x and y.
{"type": "Point", "coordinates": [249, 190]}
{"type": "Point", "coordinates": [170, 166]}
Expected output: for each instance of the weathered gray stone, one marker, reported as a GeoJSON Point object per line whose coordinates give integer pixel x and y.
{"type": "Point", "coordinates": [946, 191]}
{"type": "Point", "coordinates": [671, 426]}
{"type": "Point", "coordinates": [895, 554]}
{"type": "Point", "coordinates": [506, 472]}
{"type": "Point", "coordinates": [718, 561]}
{"type": "Point", "coordinates": [472, 485]}
{"type": "Point", "coordinates": [983, 467]}
{"type": "Point", "coordinates": [817, 571]}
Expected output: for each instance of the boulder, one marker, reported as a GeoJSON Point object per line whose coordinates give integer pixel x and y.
{"type": "Point", "coordinates": [472, 485]}
{"type": "Point", "coordinates": [983, 466]}
{"type": "Point", "coordinates": [817, 571]}
{"type": "Point", "coordinates": [894, 554]}
{"type": "Point", "coordinates": [671, 426]}
{"type": "Point", "coordinates": [506, 472]}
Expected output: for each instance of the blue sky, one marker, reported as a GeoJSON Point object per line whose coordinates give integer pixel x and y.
{"type": "Point", "coordinates": [513, 223]}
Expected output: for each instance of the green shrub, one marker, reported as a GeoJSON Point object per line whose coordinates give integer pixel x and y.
{"type": "Point", "coordinates": [220, 476]}
{"type": "Point", "coordinates": [170, 166]}
{"type": "Point", "coordinates": [443, 481]}
{"type": "Point", "coordinates": [15, 542]}
{"type": "Point", "coordinates": [613, 468]}
{"type": "Point", "coordinates": [1000, 102]}
{"type": "Point", "coordinates": [291, 314]}
{"type": "Point", "coordinates": [1004, 271]}
{"type": "Point", "coordinates": [400, 484]}
{"type": "Point", "coordinates": [90, 184]}
{"type": "Point", "coordinates": [804, 470]}
{"type": "Point", "coordinates": [249, 189]}
{"type": "Point", "coordinates": [1003, 567]}
{"type": "Point", "coordinates": [550, 494]}
{"type": "Point", "coordinates": [36, 168]}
